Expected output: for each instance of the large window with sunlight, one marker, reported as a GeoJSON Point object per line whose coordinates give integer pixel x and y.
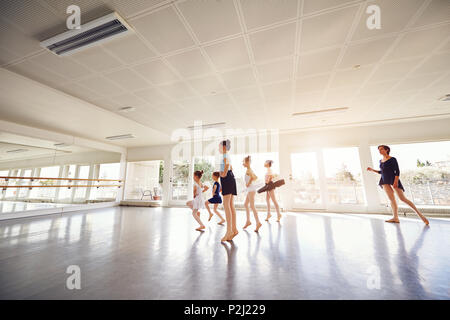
{"type": "Point", "coordinates": [305, 179]}
{"type": "Point", "coordinates": [109, 171]}
{"type": "Point", "coordinates": [343, 176]}
{"type": "Point", "coordinates": [65, 194]}
{"type": "Point", "coordinates": [180, 181]}
{"type": "Point", "coordinates": [43, 187]}
{"type": "Point", "coordinates": [144, 180]}
{"type": "Point", "coordinates": [424, 171]}
{"type": "Point", "coordinates": [80, 192]}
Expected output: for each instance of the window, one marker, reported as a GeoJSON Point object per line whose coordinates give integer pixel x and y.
{"type": "Point", "coordinates": [46, 191]}
{"type": "Point", "coordinates": [106, 171]}
{"type": "Point", "coordinates": [424, 171]}
{"type": "Point", "coordinates": [80, 192]}
{"type": "Point", "coordinates": [343, 176]}
{"type": "Point", "coordinates": [305, 179]}
{"type": "Point", "coordinates": [23, 192]}
{"type": "Point", "coordinates": [65, 194]}
{"type": "Point", "coordinates": [180, 180]}
{"type": "Point", "coordinates": [11, 193]}
{"type": "Point", "coordinates": [144, 180]}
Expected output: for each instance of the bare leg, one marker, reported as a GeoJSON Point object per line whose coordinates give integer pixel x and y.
{"type": "Point", "coordinates": [222, 220]}
{"type": "Point", "coordinates": [247, 211]}
{"type": "Point", "coordinates": [268, 206]}
{"type": "Point", "coordinates": [251, 196]}
{"type": "Point", "coordinates": [196, 215]}
{"type": "Point", "coordinates": [402, 197]}
{"type": "Point", "coordinates": [227, 208]}
{"type": "Point", "coordinates": [209, 210]}
{"type": "Point", "coordinates": [277, 207]}
{"type": "Point", "coordinates": [390, 193]}
{"type": "Point", "coordinates": [233, 218]}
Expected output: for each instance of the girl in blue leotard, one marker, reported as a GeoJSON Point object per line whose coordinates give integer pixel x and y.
{"type": "Point", "coordinates": [216, 198]}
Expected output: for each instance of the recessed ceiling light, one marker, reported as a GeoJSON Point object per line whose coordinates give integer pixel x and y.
{"type": "Point", "coordinates": [208, 126]}
{"type": "Point", "coordinates": [445, 98]}
{"type": "Point", "coordinates": [121, 137]}
{"type": "Point", "coordinates": [127, 109]}
{"type": "Point", "coordinates": [356, 66]}
{"type": "Point", "coordinates": [320, 112]}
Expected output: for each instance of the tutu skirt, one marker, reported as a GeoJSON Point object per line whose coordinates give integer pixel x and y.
{"type": "Point", "coordinates": [215, 200]}
{"type": "Point", "coordinates": [198, 203]}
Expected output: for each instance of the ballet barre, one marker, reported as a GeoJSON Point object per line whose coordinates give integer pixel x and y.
{"type": "Point", "coordinates": [65, 179]}
{"type": "Point", "coordinates": [63, 186]}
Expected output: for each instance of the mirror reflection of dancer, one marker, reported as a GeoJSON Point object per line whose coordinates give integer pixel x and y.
{"type": "Point", "coordinates": [198, 202]}
{"type": "Point", "coordinates": [216, 198]}
{"type": "Point", "coordinates": [250, 179]}
{"type": "Point", "coordinates": [228, 190]}
{"type": "Point", "coordinates": [271, 191]}
{"type": "Point", "coordinates": [390, 181]}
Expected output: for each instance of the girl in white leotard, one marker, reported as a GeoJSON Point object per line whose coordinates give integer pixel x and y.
{"type": "Point", "coordinates": [198, 202]}
{"type": "Point", "coordinates": [250, 183]}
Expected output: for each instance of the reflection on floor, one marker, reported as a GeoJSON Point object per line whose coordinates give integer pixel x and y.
{"type": "Point", "coordinates": [17, 206]}
{"type": "Point", "coordinates": [154, 253]}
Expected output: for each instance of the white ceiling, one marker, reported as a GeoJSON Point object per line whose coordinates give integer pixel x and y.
{"type": "Point", "coordinates": [250, 63]}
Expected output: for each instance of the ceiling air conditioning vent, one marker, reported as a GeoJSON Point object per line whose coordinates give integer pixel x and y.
{"type": "Point", "coordinates": [92, 33]}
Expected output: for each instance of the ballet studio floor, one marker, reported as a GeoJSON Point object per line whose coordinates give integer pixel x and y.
{"type": "Point", "coordinates": [155, 253]}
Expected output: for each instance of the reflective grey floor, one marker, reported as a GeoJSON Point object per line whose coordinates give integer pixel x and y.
{"type": "Point", "coordinates": [155, 253]}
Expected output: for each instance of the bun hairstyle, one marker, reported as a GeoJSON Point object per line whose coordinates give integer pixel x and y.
{"type": "Point", "coordinates": [216, 174]}
{"type": "Point", "coordinates": [388, 150]}
{"type": "Point", "coordinates": [226, 143]}
{"type": "Point", "coordinates": [198, 174]}
{"type": "Point", "coordinates": [247, 159]}
{"type": "Point", "coordinates": [269, 162]}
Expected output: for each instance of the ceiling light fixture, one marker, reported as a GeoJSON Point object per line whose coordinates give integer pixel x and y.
{"type": "Point", "coordinates": [208, 126]}
{"type": "Point", "coordinates": [121, 137]}
{"type": "Point", "coordinates": [320, 112]}
{"type": "Point", "coordinates": [17, 151]}
{"type": "Point", "coordinates": [61, 144]}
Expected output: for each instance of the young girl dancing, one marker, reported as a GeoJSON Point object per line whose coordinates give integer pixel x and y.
{"type": "Point", "coordinates": [228, 190]}
{"type": "Point", "coordinates": [250, 180]}
{"type": "Point", "coordinates": [216, 199]}
{"type": "Point", "coordinates": [198, 202]}
{"type": "Point", "coordinates": [270, 189]}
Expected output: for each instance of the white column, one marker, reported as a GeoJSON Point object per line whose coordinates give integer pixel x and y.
{"type": "Point", "coordinates": [286, 193]}
{"type": "Point", "coordinates": [122, 176]}
{"type": "Point", "coordinates": [166, 180]}
{"type": "Point", "coordinates": [369, 179]}
{"type": "Point", "coordinates": [322, 179]}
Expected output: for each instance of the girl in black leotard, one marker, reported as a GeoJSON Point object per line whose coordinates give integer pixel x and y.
{"type": "Point", "coordinates": [390, 181]}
